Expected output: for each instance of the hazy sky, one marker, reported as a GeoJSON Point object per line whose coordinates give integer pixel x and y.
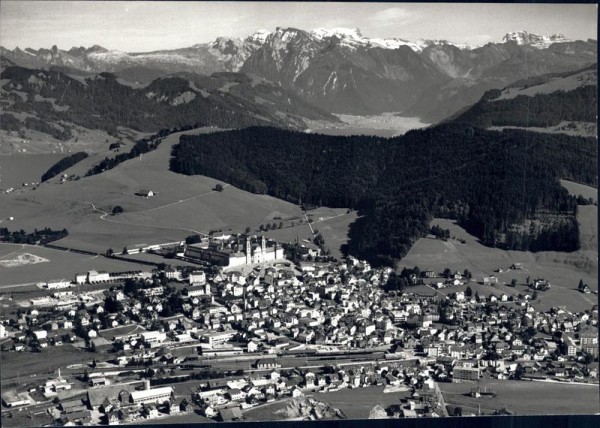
{"type": "Point", "coordinates": [145, 26]}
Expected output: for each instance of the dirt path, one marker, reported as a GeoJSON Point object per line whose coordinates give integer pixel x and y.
{"type": "Point", "coordinates": [103, 215]}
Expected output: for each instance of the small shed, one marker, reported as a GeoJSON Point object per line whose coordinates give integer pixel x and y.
{"type": "Point", "coordinates": [145, 193]}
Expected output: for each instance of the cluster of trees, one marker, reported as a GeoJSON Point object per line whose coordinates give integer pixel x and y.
{"type": "Point", "coordinates": [141, 146]}
{"type": "Point", "coordinates": [9, 122]}
{"type": "Point", "coordinates": [581, 200]}
{"type": "Point", "coordinates": [63, 164]}
{"type": "Point", "coordinates": [561, 236]}
{"type": "Point", "coordinates": [270, 226]}
{"type": "Point", "coordinates": [43, 236]}
{"type": "Point", "coordinates": [488, 181]}
{"type": "Point", "coordinates": [193, 239]}
{"type": "Point", "coordinates": [61, 132]}
{"type": "Point", "coordinates": [440, 233]}
{"type": "Point", "coordinates": [541, 110]}
{"type": "Point", "coordinates": [197, 375]}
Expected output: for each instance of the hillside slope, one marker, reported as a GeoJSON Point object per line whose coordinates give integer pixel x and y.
{"type": "Point", "coordinates": [182, 205]}
{"type": "Point", "coordinates": [566, 99]}
{"type": "Point", "coordinates": [52, 101]}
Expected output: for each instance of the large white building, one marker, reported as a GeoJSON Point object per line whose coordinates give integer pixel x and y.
{"type": "Point", "coordinates": [197, 277]}
{"type": "Point", "coordinates": [156, 395]}
{"type": "Point", "coordinates": [217, 337]}
{"type": "Point", "coordinates": [153, 337]}
{"type": "Point", "coordinates": [235, 251]}
{"type": "Point", "coordinates": [61, 283]}
{"type": "Point", "coordinates": [96, 277]}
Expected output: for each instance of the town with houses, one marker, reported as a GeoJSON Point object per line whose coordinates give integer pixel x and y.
{"type": "Point", "coordinates": [247, 323]}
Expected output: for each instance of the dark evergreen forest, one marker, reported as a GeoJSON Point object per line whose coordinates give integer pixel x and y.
{"type": "Point", "coordinates": [541, 110]}
{"type": "Point", "coordinates": [63, 164]}
{"type": "Point", "coordinates": [489, 181]}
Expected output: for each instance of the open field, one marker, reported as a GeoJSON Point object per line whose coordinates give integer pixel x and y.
{"type": "Point", "coordinates": [61, 264]}
{"type": "Point", "coordinates": [24, 419]}
{"type": "Point", "coordinates": [155, 258]}
{"type": "Point", "coordinates": [580, 189]}
{"type": "Point", "coordinates": [183, 205]}
{"type": "Point", "coordinates": [525, 398]}
{"type": "Point", "coordinates": [335, 231]}
{"type": "Point", "coordinates": [575, 129]}
{"type": "Point", "coordinates": [187, 418]}
{"type": "Point", "coordinates": [354, 403]}
{"type": "Point", "coordinates": [358, 403]}
{"type": "Point", "coordinates": [587, 217]}
{"type": "Point", "coordinates": [26, 366]}
{"type": "Point", "coordinates": [266, 412]}
{"type": "Point", "coordinates": [384, 125]}
{"type": "Point", "coordinates": [563, 270]}
{"type": "Point", "coordinates": [17, 169]}
{"type": "Point", "coordinates": [566, 84]}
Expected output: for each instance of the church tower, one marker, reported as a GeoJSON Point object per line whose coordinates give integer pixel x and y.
{"type": "Point", "coordinates": [248, 251]}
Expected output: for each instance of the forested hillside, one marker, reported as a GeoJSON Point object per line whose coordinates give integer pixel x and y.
{"type": "Point", "coordinates": [52, 101]}
{"type": "Point", "coordinates": [492, 182]}
{"type": "Point", "coordinates": [541, 110]}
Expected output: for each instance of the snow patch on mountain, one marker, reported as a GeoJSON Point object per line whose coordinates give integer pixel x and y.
{"type": "Point", "coordinates": [260, 36]}
{"type": "Point", "coordinates": [534, 40]}
{"type": "Point", "coordinates": [353, 38]}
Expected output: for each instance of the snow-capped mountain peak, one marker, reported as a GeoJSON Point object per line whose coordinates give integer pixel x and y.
{"type": "Point", "coordinates": [260, 36]}
{"type": "Point", "coordinates": [352, 37]}
{"type": "Point", "coordinates": [534, 40]}
{"type": "Point", "coordinates": [339, 32]}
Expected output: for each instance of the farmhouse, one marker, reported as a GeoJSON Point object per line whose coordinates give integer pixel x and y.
{"type": "Point", "coordinates": [145, 193]}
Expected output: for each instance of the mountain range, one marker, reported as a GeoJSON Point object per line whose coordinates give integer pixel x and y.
{"type": "Point", "coordinates": [339, 69]}
{"type": "Point", "coordinates": [52, 102]}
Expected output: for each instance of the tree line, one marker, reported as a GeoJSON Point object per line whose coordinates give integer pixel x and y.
{"type": "Point", "coordinates": [63, 164]}
{"type": "Point", "coordinates": [144, 145]}
{"type": "Point", "coordinates": [43, 236]}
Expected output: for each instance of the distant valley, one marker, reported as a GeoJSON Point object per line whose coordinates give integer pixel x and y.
{"type": "Point", "coordinates": [340, 70]}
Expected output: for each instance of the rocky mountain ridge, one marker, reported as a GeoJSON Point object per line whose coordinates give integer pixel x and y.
{"type": "Point", "coordinates": [341, 70]}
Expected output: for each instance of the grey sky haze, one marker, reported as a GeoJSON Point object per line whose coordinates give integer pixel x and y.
{"type": "Point", "coordinates": [146, 26]}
